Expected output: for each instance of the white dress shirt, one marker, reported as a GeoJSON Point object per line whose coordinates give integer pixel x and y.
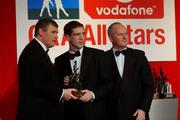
{"type": "Point", "coordinates": [76, 60]}
{"type": "Point", "coordinates": [119, 61]}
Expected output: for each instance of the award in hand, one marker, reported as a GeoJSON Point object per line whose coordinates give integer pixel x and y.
{"type": "Point", "coordinates": [75, 81]}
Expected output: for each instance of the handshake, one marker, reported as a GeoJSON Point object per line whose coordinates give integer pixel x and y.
{"type": "Point", "coordinates": [73, 89]}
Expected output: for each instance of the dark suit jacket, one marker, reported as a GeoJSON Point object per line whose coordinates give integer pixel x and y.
{"type": "Point", "coordinates": [39, 88]}
{"type": "Point", "coordinates": [93, 78]}
{"type": "Point", "coordinates": [134, 89]}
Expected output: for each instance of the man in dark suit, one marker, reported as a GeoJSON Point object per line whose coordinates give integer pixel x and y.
{"type": "Point", "coordinates": [132, 78]}
{"type": "Point", "coordinates": [40, 90]}
{"type": "Point", "coordinates": [94, 83]}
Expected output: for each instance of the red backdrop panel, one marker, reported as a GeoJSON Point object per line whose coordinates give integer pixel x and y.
{"type": "Point", "coordinates": [8, 63]}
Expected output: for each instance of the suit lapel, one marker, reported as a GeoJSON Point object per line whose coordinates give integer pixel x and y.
{"type": "Point", "coordinates": [67, 63]}
{"type": "Point", "coordinates": [128, 65]}
{"type": "Point", "coordinates": [42, 54]}
{"type": "Point", "coordinates": [114, 65]}
{"type": "Point", "coordinates": [86, 58]}
{"type": "Point", "coordinates": [48, 59]}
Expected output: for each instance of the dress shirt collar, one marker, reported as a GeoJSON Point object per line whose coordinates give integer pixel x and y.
{"type": "Point", "coordinates": [80, 50]}
{"type": "Point", "coordinates": [43, 46]}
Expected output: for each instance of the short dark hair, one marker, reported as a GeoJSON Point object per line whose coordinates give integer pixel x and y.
{"type": "Point", "coordinates": [70, 26]}
{"type": "Point", "coordinates": [110, 27]}
{"type": "Point", "coordinates": [43, 23]}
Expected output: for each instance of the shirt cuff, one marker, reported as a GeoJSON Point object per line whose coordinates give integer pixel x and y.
{"type": "Point", "coordinates": [61, 95]}
{"type": "Point", "coordinates": [93, 96]}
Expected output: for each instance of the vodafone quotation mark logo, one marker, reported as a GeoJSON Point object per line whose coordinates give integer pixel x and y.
{"type": "Point", "coordinates": [125, 9]}
{"type": "Point", "coordinates": [125, 1]}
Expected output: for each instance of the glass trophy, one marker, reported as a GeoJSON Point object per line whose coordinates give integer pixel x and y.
{"type": "Point", "coordinates": [168, 91]}
{"type": "Point", "coordinates": [75, 81]}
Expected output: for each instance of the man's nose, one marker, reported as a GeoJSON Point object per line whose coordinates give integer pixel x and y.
{"type": "Point", "coordinates": [125, 36]}
{"type": "Point", "coordinates": [82, 36]}
{"type": "Point", "coordinates": [56, 36]}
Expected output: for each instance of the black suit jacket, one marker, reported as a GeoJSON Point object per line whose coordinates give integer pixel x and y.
{"type": "Point", "coordinates": [93, 78]}
{"type": "Point", "coordinates": [132, 91]}
{"type": "Point", "coordinates": [39, 88]}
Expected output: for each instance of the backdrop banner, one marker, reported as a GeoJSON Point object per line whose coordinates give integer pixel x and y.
{"type": "Point", "coordinates": [151, 24]}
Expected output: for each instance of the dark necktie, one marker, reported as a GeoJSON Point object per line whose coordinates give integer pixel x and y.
{"type": "Point", "coordinates": [73, 55]}
{"type": "Point", "coordinates": [48, 58]}
{"type": "Point", "coordinates": [124, 52]}
{"type": "Point", "coordinates": [47, 50]}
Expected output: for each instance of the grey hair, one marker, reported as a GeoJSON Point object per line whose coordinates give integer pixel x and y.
{"type": "Point", "coordinates": [110, 27]}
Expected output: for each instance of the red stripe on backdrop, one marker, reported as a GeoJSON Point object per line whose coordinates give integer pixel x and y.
{"type": "Point", "coordinates": [8, 62]}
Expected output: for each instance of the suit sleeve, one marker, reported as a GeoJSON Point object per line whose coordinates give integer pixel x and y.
{"type": "Point", "coordinates": [147, 85]}
{"type": "Point", "coordinates": [105, 84]}
{"type": "Point", "coordinates": [38, 78]}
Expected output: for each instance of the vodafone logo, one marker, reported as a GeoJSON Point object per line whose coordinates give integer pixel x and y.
{"type": "Point", "coordinates": [135, 9]}
{"type": "Point", "coordinates": [125, 1]}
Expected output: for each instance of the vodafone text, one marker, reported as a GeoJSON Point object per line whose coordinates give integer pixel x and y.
{"type": "Point", "coordinates": [129, 10]}
{"type": "Point", "coordinates": [141, 36]}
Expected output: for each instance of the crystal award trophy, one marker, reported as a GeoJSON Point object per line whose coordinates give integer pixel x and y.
{"type": "Point", "coordinates": [75, 81]}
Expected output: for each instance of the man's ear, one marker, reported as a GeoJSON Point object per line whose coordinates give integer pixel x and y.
{"type": "Point", "coordinates": [110, 38]}
{"type": "Point", "coordinates": [68, 37]}
{"type": "Point", "coordinates": [41, 32]}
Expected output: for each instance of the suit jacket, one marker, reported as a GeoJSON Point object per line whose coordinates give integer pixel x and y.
{"type": "Point", "coordinates": [93, 78]}
{"type": "Point", "coordinates": [132, 91]}
{"type": "Point", "coordinates": [39, 88]}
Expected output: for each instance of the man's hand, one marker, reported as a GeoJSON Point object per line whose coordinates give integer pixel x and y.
{"type": "Point", "coordinates": [87, 95]}
{"type": "Point", "coordinates": [68, 94]}
{"type": "Point", "coordinates": [67, 80]}
{"type": "Point", "coordinates": [140, 114]}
